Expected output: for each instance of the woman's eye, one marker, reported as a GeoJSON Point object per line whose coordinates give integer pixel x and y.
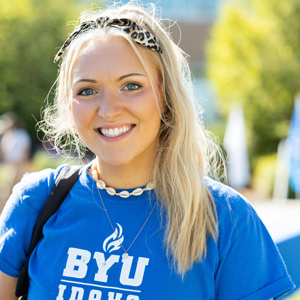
{"type": "Point", "coordinates": [87, 92]}
{"type": "Point", "coordinates": [132, 87]}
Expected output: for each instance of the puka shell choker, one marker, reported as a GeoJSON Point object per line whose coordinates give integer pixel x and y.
{"type": "Point", "coordinates": [111, 191]}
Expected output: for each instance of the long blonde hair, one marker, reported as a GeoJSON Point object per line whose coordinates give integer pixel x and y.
{"type": "Point", "coordinates": [185, 153]}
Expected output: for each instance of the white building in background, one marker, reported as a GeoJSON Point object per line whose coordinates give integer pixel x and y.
{"type": "Point", "coordinates": [199, 11]}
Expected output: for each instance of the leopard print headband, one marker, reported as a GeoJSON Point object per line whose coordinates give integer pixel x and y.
{"type": "Point", "coordinates": [137, 33]}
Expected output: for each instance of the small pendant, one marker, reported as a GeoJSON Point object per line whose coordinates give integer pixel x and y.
{"type": "Point", "coordinates": [125, 255]}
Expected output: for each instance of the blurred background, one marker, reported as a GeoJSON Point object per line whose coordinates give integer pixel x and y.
{"type": "Point", "coordinates": [245, 60]}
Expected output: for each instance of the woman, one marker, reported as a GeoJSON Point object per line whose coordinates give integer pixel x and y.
{"type": "Point", "coordinates": [143, 221]}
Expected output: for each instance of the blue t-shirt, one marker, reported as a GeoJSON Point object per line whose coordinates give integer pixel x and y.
{"type": "Point", "coordinates": [80, 257]}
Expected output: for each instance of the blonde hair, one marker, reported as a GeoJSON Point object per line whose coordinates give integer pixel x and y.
{"type": "Point", "coordinates": [185, 153]}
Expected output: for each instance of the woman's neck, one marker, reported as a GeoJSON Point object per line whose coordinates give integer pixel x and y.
{"type": "Point", "coordinates": [124, 177]}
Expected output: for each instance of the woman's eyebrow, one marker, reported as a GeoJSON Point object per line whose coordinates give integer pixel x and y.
{"type": "Point", "coordinates": [118, 79]}
{"type": "Point", "coordinates": [85, 80]}
{"type": "Point", "coordinates": [128, 75]}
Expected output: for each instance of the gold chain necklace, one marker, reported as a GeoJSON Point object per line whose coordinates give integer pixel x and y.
{"type": "Point", "coordinates": [125, 255]}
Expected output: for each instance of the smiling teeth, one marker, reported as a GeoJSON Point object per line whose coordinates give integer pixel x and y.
{"type": "Point", "coordinates": [115, 132]}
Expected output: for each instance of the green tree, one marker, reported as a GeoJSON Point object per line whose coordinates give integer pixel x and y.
{"type": "Point", "coordinates": [31, 32]}
{"type": "Point", "coordinates": [254, 59]}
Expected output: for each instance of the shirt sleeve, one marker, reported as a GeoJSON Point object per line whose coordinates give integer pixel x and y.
{"type": "Point", "coordinates": [19, 217]}
{"type": "Point", "coordinates": [250, 265]}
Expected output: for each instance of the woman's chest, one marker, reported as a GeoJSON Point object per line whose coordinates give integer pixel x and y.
{"type": "Point", "coordinates": [82, 257]}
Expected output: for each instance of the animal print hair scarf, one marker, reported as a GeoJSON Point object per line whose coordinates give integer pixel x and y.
{"type": "Point", "coordinates": [136, 32]}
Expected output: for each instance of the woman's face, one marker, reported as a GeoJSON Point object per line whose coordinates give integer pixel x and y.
{"type": "Point", "coordinates": [113, 104]}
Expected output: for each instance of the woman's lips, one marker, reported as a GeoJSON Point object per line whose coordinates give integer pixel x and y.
{"type": "Point", "coordinates": [115, 133]}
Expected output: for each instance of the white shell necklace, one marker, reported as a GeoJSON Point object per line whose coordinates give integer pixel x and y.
{"type": "Point", "coordinates": [125, 194]}
{"type": "Point", "coordinates": [111, 191]}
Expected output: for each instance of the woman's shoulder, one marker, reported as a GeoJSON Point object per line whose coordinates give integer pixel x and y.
{"type": "Point", "coordinates": [226, 196]}
{"type": "Point", "coordinates": [34, 188]}
{"type": "Point", "coordinates": [245, 247]}
{"type": "Point", "coordinates": [235, 212]}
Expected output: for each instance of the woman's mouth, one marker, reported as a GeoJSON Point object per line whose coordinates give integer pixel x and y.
{"type": "Point", "coordinates": [117, 131]}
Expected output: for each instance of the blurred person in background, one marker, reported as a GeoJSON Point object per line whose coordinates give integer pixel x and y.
{"type": "Point", "coordinates": [144, 220]}
{"type": "Point", "coordinates": [15, 148]}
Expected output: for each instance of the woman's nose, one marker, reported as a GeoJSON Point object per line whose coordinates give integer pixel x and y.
{"type": "Point", "coordinates": [109, 106]}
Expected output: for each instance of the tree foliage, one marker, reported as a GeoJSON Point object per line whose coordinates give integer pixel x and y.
{"type": "Point", "coordinates": [31, 32]}
{"type": "Point", "coordinates": [254, 59]}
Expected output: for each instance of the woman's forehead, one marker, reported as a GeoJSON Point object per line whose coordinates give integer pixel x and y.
{"type": "Point", "coordinates": [107, 55]}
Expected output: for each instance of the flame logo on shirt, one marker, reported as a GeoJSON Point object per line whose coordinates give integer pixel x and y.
{"type": "Point", "coordinates": [114, 241]}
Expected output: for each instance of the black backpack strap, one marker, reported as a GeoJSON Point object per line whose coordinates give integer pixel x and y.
{"type": "Point", "coordinates": [63, 184]}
